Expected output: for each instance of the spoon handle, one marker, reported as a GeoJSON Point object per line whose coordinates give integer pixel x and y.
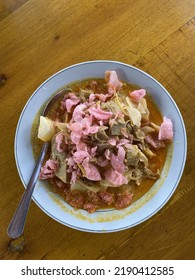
{"type": "Point", "coordinates": [16, 226]}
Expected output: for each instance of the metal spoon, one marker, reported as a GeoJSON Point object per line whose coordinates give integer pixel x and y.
{"type": "Point", "coordinates": [16, 226]}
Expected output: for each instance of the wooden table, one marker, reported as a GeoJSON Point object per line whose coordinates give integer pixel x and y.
{"type": "Point", "coordinates": [38, 38]}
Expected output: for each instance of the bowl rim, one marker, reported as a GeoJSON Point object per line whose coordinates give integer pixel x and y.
{"type": "Point", "coordinates": [184, 146]}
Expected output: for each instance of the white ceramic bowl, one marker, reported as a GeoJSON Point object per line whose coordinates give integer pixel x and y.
{"type": "Point", "coordinates": [108, 220]}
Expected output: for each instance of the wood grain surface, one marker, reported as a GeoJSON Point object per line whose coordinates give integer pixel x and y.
{"type": "Point", "coordinates": [38, 38]}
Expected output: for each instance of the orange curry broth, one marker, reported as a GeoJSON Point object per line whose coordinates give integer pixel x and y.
{"type": "Point", "coordinates": [155, 163]}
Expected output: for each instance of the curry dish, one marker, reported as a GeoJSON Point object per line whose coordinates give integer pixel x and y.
{"type": "Point", "coordinates": [108, 144]}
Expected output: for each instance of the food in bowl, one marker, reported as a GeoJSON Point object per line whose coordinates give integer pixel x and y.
{"type": "Point", "coordinates": [108, 144]}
